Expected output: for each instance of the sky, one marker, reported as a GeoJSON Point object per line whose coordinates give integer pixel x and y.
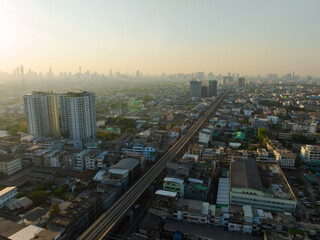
{"type": "Point", "coordinates": [248, 37]}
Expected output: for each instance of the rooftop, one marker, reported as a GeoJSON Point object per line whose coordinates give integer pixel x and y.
{"type": "Point", "coordinates": [126, 163]}
{"type": "Point", "coordinates": [273, 181]}
{"type": "Point", "coordinates": [6, 190]}
{"type": "Point", "coordinates": [175, 180]}
{"type": "Point", "coordinates": [166, 193]}
{"type": "Point", "coordinates": [204, 231]}
{"type": "Point", "coordinates": [245, 174]}
{"type": "Point", "coordinates": [26, 233]}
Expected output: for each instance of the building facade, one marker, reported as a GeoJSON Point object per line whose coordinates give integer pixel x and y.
{"type": "Point", "coordinates": [241, 82]}
{"type": "Point", "coordinates": [6, 194]}
{"type": "Point", "coordinates": [213, 88]}
{"type": "Point", "coordinates": [42, 114]}
{"type": "Point", "coordinates": [310, 153]}
{"type": "Point", "coordinates": [195, 89]}
{"type": "Point", "coordinates": [78, 117]}
{"type": "Point", "coordinates": [9, 163]}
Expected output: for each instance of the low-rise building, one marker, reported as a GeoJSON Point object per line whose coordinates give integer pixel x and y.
{"type": "Point", "coordinates": [273, 119]}
{"type": "Point", "coordinates": [6, 194]}
{"type": "Point", "coordinates": [205, 135]}
{"type": "Point", "coordinates": [10, 163]}
{"type": "Point", "coordinates": [122, 174]}
{"type": "Point", "coordinates": [263, 156]}
{"type": "Point", "coordinates": [163, 203]}
{"type": "Point", "coordinates": [193, 211]}
{"type": "Point", "coordinates": [310, 153]}
{"type": "Point", "coordinates": [91, 161]}
{"type": "Point", "coordinates": [263, 188]}
{"type": "Point", "coordinates": [80, 160]}
{"type": "Point", "coordinates": [285, 158]}
{"type": "Point", "coordinates": [172, 184]}
{"type": "Point", "coordinates": [261, 122]}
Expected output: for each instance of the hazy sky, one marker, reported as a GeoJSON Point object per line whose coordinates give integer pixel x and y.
{"type": "Point", "coordinates": [241, 36]}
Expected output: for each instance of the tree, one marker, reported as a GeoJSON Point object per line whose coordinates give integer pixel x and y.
{"type": "Point", "coordinates": [298, 162]}
{"type": "Point", "coordinates": [38, 197]}
{"type": "Point", "coordinates": [55, 208]}
{"type": "Point", "coordinates": [61, 191]}
{"type": "Point", "coordinates": [262, 133]}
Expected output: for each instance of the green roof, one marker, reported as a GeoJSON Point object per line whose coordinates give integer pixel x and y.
{"type": "Point", "coordinates": [239, 135]}
{"type": "Point", "coordinates": [199, 186]}
{"type": "Point", "coordinates": [215, 134]}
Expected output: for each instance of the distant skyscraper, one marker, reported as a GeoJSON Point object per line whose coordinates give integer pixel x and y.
{"type": "Point", "coordinates": [195, 88]}
{"type": "Point", "coordinates": [137, 73]}
{"type": "Point", "coordinates": [200, 76]}
{"type": "Point", "coordinates": [78, 117]}
{"type": "Point", "coordinates": [224, 81]}
{"type": "Point", "coordinates": [18, 71]}
{"type": "Point", "coordinates": [213, 88]}
{"type": "Point", "coordinates": [241, 82]}
{"type": "Point", "coordinates": [110, 73]}
{"type": "Point", "coordinates": [22, 71]}
{"type": "Point", "coordinates": [42, 114]}
{"type": "Point", "coordinates": [227, 79]}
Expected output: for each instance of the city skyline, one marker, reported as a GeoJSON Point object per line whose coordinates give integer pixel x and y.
{"type": "Point", "coordinates": [180, 36]}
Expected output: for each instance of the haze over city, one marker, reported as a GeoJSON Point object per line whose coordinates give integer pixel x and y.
{"type": "Point", "coordinates": [159, 119]}
{"type": "Point", "coordinates": [247, 37]}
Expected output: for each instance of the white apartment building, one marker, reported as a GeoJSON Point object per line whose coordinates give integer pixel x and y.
{"type": "Point", "coordinates": [194, 211]}
{"type": "Point", "coordinates": [80, 160]}
{"type": "Point", "coordinates": [310, 153]}
{"type": "Point", "coordinates": [273, 119]}
{"type": "Point", "coordinates": [78, 117]}
{"type": "Point", "coordinates": [91, 161]}
{"type": "Point", "coordinates": [42, 114]}
{"type": "Point", "coordinates": [6, 194]}
{"type": "Point", "coordinates": [285, 158]}
{"type": "Point", "coordinates": [205, 135]}
{"type": "Point", "coordinates": [9, 163]}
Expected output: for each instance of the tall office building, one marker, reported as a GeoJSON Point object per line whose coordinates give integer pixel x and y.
{"type": "Point", "coordinates": [78, 117]}
{"type": "Point", "coordinates": [42, 114]}
{"type": "Point", "coordinates": [241, 82]}
{"type": "Point", "coordinates": [204, 91]}
{"type": "Point", "coordinates": [213, 88]}
{"type": "Point", "coordinates": [195, 88]}
{"type": "Point", "coordinates": [22, 71]}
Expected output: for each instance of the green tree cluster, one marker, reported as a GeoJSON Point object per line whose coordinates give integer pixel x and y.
{"type": "Point", "coordinates": [55, 208]}
{"type": "Point", "coordinates": [61, 191]}
{"type": "Point", "coordinates": [262, 134]}
{"type": "Point", "coordinates": [38, 197]}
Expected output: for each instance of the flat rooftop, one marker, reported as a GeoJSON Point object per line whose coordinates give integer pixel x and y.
{"type": "Point", "coordinates": [216, 233]}
{"type": "Point", "coordinates": [274, 182]}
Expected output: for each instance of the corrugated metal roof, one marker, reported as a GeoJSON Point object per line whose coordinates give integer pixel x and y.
{"type": "Point", "coordinates": [126, 163]}
{"type": "Point", "coordinates": [245, 174]}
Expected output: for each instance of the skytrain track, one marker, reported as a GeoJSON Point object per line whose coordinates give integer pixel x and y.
{"type": "Point", "coordinates": [109, 218]}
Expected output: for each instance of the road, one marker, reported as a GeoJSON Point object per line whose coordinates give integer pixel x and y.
{"type": "Point", "coordinates": [109, 218]}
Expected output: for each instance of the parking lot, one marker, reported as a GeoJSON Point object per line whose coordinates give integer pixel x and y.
{"type": "Point", "coordinates": [305, 186]}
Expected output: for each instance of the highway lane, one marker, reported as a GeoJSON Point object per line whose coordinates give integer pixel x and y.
{"type": "Point", "coordinates": [109, 218]}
